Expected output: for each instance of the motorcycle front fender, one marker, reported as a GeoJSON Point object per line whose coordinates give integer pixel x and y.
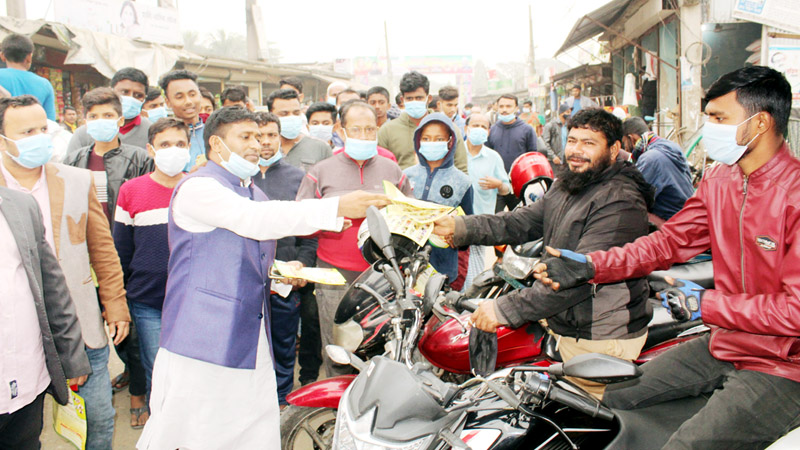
{"type": "Point", "coordinates": [321, 394]}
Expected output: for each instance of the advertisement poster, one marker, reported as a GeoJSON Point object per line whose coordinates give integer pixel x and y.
{"type": "Point", "coordinates": [783, 14]}
{"type": "Point", "coordinates": [122, 18]}
{"type": "Point", "coordinates": [786, 59]}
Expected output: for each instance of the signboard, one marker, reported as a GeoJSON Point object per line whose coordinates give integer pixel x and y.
{"type": "Point", "coordinates": [124, 18]}
{"type": "Point", "coordinates": [786, 59]}
{"type": "Point", "coordinates": [783, 14]}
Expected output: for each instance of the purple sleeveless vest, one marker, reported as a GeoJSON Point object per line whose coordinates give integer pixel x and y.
{"type": "Point", "coordinates": [217, 287]}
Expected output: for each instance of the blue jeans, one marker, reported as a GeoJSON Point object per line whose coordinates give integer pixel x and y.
{"type": "Point", "coordinates": [148, 325]}
{"type": "Point", "coordinates": [284, 321]}
{"type": "Point", "coordinates": [96, 393]}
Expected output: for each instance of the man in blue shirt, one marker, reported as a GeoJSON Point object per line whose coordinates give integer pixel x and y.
{"type": "Point", "coordinates": [17, 53]}
{"type": "Point", "coordinates": [183, 96]}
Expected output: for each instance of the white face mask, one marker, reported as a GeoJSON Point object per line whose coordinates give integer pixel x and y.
{"type": "Point", "coordinates": [721, 144]}
{"type": "Point", "coordinates": [321, 132]}
{"type": "Point", "coordinates": [172, 160]}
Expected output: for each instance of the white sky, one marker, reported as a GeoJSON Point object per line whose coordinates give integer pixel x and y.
{"type": "Point", "coordinates": [493, 31]}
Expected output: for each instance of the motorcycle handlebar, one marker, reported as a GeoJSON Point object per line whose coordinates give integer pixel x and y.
{"type": "Point", "coordinates": [585, 405]}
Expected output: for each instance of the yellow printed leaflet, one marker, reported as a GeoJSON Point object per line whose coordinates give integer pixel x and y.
{"type": "Point", "coordinates": [281, 269]}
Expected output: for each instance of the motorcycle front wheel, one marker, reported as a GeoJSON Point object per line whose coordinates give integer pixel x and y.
{"type": "Point", "coordinates": [307, 428]}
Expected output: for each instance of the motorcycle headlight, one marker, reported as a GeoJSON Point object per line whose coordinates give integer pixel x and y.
{"type": "Point", "coordinates": [348, 335]}
{"type": "Point", "coordinates": [355, 434]}
{"type": "Point", "coordinates": [517, 266]}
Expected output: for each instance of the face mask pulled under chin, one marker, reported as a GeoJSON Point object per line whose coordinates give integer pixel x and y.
{"type": "Point", "coordinates": [721, 143]}
{"type": "Point", "coordinates": [237, 165]}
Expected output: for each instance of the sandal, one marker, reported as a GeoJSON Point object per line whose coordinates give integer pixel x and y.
{"type": "Point", "coordinates": [120, 382]}
{"type": "Point", "coordinates": [136, 415]}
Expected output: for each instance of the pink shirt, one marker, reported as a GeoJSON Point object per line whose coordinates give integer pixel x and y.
{"type": "Point", "coordinates": [42, 196]}
{"type": "Point", "coordinates": [23, 373]}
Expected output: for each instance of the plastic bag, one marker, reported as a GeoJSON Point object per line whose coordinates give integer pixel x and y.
{"type": "Point", "coordinates": [69, 420]}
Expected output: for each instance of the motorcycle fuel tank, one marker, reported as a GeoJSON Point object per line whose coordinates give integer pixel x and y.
{"type": "Point", "coordinates": [446, 346]}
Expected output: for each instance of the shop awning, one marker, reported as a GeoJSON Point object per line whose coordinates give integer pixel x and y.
{"type": "Point", "coordinates": [589, 26]}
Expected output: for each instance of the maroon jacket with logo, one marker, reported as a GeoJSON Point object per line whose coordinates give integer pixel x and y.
{"type": "Point", "coordinates": [752, 225]}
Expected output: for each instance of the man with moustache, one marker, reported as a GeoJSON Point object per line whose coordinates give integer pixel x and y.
{"type": "Point", "coordinates": [596, 203]}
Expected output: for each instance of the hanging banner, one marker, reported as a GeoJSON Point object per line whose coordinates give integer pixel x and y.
{"type": "Point", "coordinates": [783, 14]}
{"type": "Point", "coordinates": [124, 18]}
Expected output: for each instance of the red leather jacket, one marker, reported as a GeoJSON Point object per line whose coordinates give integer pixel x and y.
{"type": "Point", "coordinates": [752, 225]}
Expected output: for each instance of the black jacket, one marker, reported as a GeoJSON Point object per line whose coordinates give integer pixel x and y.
{"type": "Point", "coordinates": [551, 134]}
{"type": "Point", "coordinates": [609, 213]}
{"type": "Point", "coordinates": [122, 164]}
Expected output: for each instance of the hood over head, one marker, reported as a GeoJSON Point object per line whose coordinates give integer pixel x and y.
{"type": "Point", "coordinates": [437, 117]}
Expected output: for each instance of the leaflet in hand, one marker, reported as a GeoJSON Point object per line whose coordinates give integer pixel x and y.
{"type": "Point", "coordinates": [281, 269]}
{"type": "Point", "coordinates": [414, 218]}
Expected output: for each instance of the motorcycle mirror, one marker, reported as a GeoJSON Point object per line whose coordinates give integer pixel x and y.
{"type": "Point", "coordinates": [434, 286]}
{"type": "Point", "coordinates": [529, 249]}
{"type": "Point", "coordinates": [482, 352]}
{"type": "Point", "coordinates": [341, 356]}
{"type": "Point", "coordinates": [597, 367]}
{"type": "Point", "coordinates": [379, 232]}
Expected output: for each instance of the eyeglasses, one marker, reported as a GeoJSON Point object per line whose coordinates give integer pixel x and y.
{"type": "Point", "coordinates": [369, 132]}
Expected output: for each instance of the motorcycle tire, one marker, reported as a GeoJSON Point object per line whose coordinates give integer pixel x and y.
{"type": "Point", "coordinates": [307, 428]}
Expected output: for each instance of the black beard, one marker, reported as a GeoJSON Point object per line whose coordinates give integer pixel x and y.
{"type": "Point", "coordinates": [576, 182]}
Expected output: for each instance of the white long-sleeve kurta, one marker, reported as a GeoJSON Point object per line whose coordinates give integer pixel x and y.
{"type": "Point", "coordinates": [198, 405]}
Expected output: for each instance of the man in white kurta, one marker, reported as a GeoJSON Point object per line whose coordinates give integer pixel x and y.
{"type": "Point", "coordinates": [213, 379]}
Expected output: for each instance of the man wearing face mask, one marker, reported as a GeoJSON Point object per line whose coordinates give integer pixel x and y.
{"type": "Point", "coordinates": [662, 164]}
{"type": "Point", "coordinates": [140, 235]}
{"type": "Point", "coordinates": [397, 136]}
{"type": "Point", "coordinates": [154, 107]}
{"type": "Point", "coordinates": [333, 91]}
{"type": "Point", "coordinates": [213, 379]}
{"type": "Point", "coordinates": [298, 149]}
{"type": "Point", "coordinates": [78, 232]}
{"type": "Point", "coordinates": [281, 181]}
{"type": "Point", "coordinates": [359, 167]}
{"type": "Point", "coordinates": [555, 133]}
{"type": "Point", "coordinates": [130, 84]}
{"type": "Point", "coordinates": [745, 210]}
{"type": "Point", "coordinates": [321, 117]}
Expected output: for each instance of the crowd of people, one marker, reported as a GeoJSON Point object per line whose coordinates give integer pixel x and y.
{"type": "Point", "coordinates": [158, 220]}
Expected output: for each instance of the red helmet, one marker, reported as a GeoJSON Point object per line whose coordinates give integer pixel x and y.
{"type": "Point", "coordinates": [529, 168]}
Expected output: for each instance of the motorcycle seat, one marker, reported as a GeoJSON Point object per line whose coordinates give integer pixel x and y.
{"type": "Point", "coordinates": [651, 427]}
{"type": "Point", "coordinates": [701, 273]}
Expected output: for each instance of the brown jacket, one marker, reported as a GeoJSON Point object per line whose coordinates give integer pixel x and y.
{"type": "Point", "coordinates": [83, 243]}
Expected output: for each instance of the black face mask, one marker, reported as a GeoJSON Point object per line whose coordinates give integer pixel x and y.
{"type": "Point", "coordinates": [576, 182]}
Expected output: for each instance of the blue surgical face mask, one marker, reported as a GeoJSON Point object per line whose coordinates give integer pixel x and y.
{"type": "Point", "coordinates": [721, 144]}
{"type": "Point", "coordinates": [506, 118]}
{"type": "Point", "coordinates": [130, 107]}
{"type": "Point", "coordinates": [477, 135]}
{"type": "Point", "coordinates": [416, 109]}
{"type": "Point", "coordinates": [237, 165]}
{"type": "Point", "coordinates": [157, 113]}
{"type": "Point", "coordinates": [34, 151]}
{"type": "Point", "coordinates": [433, 151]}
{"type": "Point", "coordinates": [272, 159]}
{"type": "Point", "coordinates": [360, 149]}
{"type": "Point", "coordinates": [321, 132]}
{"type": "Point", "coordinates": [103, 130]}
{"type": "Point", "coordinates": [291, 126]}
{"type": "Point", "coordinates": [332, 101]}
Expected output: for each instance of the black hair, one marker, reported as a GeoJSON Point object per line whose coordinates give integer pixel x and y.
{"type": "Point", "coordinates": [293, 82]}
{"type": "Point", "coordinates": [321, 107]}
{"type": "Point", "coordinates": [758, 89]}
{"type": "Point", "coordinates": [448, 93]}
{"type": "Point", "coordinates": [218, 121]}
{"type": "Point", "coordinates": [132, 74]}
{"type": "Point", "coordinates": [70, 108]}
{"type": "Point", "coordinates": [434, 103]}
{"type": "Point", "coordinates": [101, 96]}
{"type": "Point", "coordinates": [350, 104]}
{"type": "Point", "coordinates": [233, 94]}
{"type": "Point", "coordinates": [14, 102]}
{"type": "Point", "coordinates": [175, 75]}
{"type": "Point", "coordinates": [16, 47]}
{"type": "Point", "coordinates": [152, 94]}
{"type": "Point", "coordinates": [379, 90]}
{"type": "Point", "coordinates": [165, 123]}
{"type": "Point", "coordinates": [283, 94]}
{"type": "Point", "coordinates": [634, 125]}
{"type": "Point", "coordinates": [510, 97]}
{"type": "Point", "coordinates": [398, 99]}
{"type": "Point", "coordinates": [600, 120]}
{"type": "Point", "coordinates": [208, 95]}
{"type": "Point", "coordinates": [576, 86]}
{"type": "Point", "coordinates": [414, 80]}
{"type": "Point", "coordinates": [468, 106]}
{"type": "Point", "coordinates": [527, 102]}
{"type": "Point", "coordinates": [263, 118]}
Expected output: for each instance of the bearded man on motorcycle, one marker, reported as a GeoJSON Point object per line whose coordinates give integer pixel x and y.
{"type": "Point", "coordinates": [597, 202]}
{"type": "Point", "coordinates": [747, 210]}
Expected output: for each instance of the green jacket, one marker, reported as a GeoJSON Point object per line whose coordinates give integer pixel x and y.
{"type": "Point", "coordinates": [397, 136]}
